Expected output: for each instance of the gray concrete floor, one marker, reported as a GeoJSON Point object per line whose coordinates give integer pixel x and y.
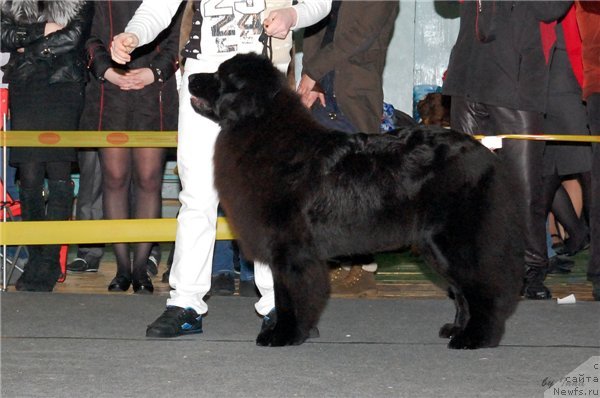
{"type": "Point", "coordinates": [82, 345]}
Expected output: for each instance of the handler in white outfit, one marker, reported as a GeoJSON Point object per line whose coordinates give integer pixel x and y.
{"type": "Point", "coordinates": [220, 30]}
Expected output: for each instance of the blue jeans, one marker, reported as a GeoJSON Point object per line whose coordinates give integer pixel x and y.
{"type": "Point", "coordinates": [227, 255]}
{"type": "Point", "coordinates": [330, 115]}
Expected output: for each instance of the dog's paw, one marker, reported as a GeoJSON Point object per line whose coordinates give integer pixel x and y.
{"type": "Point", "coordinates": [264, 338]}
{"type": "Point", "coordinates": [471, 341]}
{"type": "Point", "coordinates": [280, 336]}
{"type": "Point", "coordinates": [449, 330]}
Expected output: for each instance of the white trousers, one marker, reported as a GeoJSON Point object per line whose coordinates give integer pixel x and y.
{"type": "Point", "coordinates": [196, 224]}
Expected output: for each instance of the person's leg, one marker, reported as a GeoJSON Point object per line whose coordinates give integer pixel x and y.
{"type": "Point", "coordinates": [33, 208]}
{"type": "Point", "coordinates": [223, 275]}
{"type": "Point", "coordinates": [116, 172]}
{"type": "Point", "coordinates": [564, 212]}
{"type": "Point", "coordinates": [148, 166]}
{"type": "Point", "coordinates": [247, 286]}
{"type": "Point", "coordinates": [525, 158]}
{"type": "Point", "coordinates": [196, 223]}
{"type": "Point", "coordinates": [467, 116]}
{"type": "Point", "coordinates": [264, 282]}
{"type": "Point", "coordinates": [89, 207]}
{"type": "Point", "coordinates": [593, 272]}
{"type": "Point", "coordinates": [43, 270]}
{"type": "Point", "coordinates": [59, 207]}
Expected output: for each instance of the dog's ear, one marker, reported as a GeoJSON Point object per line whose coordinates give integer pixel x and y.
{"type": "Point", "coordinates": [234, 107]}
{"type": "Point", "coordinates": [249, 84]}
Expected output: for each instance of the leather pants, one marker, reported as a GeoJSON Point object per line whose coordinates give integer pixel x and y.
{"type": "Point", "coordinates": [593, 272]}
{"type": "Point", "coordinates": [524, 157]}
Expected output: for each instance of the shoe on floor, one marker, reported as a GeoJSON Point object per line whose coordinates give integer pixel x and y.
{"type": "Point", "coordinates": [175, 321]}
{"type": "Point", "coordinates": [534, 288]}
{"type": "Point", "coordinates": [337, 275]}
{"type": "Point", "coordinates": [166, 275]}
{"type": "Point", "coordinates": [248, 289]}
{"type": "Point", "coordinates": [152, 265]}
{"type": "Point", "coordinates": [560, 265]}
{"type": "Point", "coordinates": [222, 285]}
{"type": "Point", "coordinates": [358, 283]}
{"type": "Point", "coordinates": [79, 264]}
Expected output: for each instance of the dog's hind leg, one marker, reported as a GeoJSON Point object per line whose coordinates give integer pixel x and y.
{"type": "Point", "coordinates": [476, 323]}
{"type": "Point", "coordinates": [485, 328]}
{"type": "Point", "coordinates": [435, 256]}
{"type": "Point", "coordinates": [301, 293]}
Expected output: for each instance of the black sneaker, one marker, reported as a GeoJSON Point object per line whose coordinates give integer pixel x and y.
{"type": "Point", "coordinates": [271, 318]}
{"type": "Point", "coordinates": [175, 321]}
{"type": "Point", "coordinates": [248, 289]}
{"type": "Point", "coordinates": [83, 265]}
{"type": "Point", "coordinates": [534, 288]}
{"type": "Point", "coordinates": [152, 265]}
{"type": "Point", "coordinates": [222, 285]}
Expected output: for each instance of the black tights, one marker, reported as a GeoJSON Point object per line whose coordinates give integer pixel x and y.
{"type": "Point", "coordinates": [32, 174]}
{"type": "Point", "coordinates": [131, 188]}
{"type": "Point", "coordinates": [557, 199]}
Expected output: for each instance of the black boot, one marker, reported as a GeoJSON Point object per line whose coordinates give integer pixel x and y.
{"type": "Point", "coordinates": [33, 208]}
{"type": "Point", "coordinates": [534, 288]}
{"type": "Point", "coordinates": [46, 269]}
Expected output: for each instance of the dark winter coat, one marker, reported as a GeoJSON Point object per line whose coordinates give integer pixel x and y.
{"type": "Point", "coordinates": [357, 59]}
{"type": "Point", "coordinates": [58, 57]}
{"type": "Point", "coordinates": [107, 107]}
{"type": "Point", "coordinates": [498, 58]}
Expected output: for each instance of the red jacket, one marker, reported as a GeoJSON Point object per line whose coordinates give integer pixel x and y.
{"type": "Point", "coordinates": [588, 18]}
{"type": "Point", "coordinates": [572, 39]}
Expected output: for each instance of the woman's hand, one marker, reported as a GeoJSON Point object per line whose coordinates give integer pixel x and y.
{"type": "Point", "coordinates": [134, 79]}
{"type": "Point", "coordinates": [137, 79]}
{"type": "Point", "coordinates": [308, 92]}
{"type": "Point", "coordinates": [115, 76]}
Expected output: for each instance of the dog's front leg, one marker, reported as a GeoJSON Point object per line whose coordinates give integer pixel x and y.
{"type": "Point", "coordinates": [301, 292]}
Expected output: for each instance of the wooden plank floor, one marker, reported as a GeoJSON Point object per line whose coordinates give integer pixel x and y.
{"type": "Point", "coordinates": [399, 276]}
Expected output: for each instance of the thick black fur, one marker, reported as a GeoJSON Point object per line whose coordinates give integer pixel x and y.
{"type": "Point", "coordinates": [297, 194]}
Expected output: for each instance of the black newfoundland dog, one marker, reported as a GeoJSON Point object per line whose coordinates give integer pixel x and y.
{"type": "Point", "coordinates": [297, 194]}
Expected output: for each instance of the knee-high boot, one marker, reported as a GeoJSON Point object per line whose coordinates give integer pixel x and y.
{"type": "Point", "coordinates": [59, 208]}
{"type": "Point", "coordinates": [47, 269]}
{"type": "Point", "coordinates": [33, 208]}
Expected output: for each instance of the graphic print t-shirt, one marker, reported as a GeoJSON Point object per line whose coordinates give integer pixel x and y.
{"type": "Point", "coordinates": [223, 28]}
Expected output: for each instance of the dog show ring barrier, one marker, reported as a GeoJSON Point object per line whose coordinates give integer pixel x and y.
{"type": "Point", "coordinates": [131, 230]}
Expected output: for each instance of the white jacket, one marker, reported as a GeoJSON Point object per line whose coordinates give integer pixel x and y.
{"type": "Point", "coordinates": [155, 15]}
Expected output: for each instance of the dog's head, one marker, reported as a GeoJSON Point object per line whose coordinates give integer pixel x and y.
{"type": "Point", "coordinates": [242, 88]}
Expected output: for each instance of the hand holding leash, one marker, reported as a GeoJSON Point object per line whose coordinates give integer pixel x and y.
{"type": "Point", "coordinates": [123, 44]}
{"type": "Point", "coordinates": [279, 22]}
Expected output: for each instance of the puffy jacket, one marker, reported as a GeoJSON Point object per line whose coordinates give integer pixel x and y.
{"type": "Point", "coordinates": [58, 57]}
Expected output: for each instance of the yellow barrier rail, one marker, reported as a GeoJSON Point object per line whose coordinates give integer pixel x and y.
{"type": "Point", "coordinates": [141, 230]}
{"type": "Point", "coordinates": [168, 139]}
{"type": "Point", "coordinates": [90, 139]}
{"type": "Point", "coordinates": [549, 137]}
{"type": "Point", "coordinates": [97, 231]}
